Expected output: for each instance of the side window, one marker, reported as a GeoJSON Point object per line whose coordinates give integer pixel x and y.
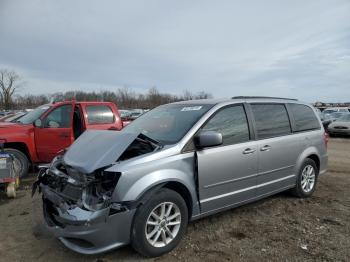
{"type": "Point", "coordinates": [60, 117]}
{"type": "Point", "coordinates": [271, 120]}
{"type": "Point", "coordinates": [99, 114]}
{"type": "Point", "coordinates": [304, 117]}
{"type": "Point", "coordinates": [232, 123]}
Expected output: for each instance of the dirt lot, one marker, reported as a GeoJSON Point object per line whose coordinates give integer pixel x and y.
{"type": "Point", "coordinates": [280, 228]}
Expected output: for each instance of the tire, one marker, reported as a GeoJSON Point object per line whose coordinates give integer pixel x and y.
{"type": "Point", "coordinates": [20, 159]}
{"type": "Point", "coordinates": [307, 179]}
{"type": "Point", "coordinates": [143, 216]}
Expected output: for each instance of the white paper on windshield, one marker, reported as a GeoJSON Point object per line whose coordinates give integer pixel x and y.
{"type": "Point", "coordinates": [191, 108]}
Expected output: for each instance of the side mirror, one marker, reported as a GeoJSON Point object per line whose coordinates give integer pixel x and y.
{"type": "Point", "coordinates": [208, 139]}
{"type": "Point", "coordinates": [38, 123]}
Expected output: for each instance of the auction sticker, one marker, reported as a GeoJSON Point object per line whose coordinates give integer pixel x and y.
{"type": "Point", "coordinates": [191, 108]}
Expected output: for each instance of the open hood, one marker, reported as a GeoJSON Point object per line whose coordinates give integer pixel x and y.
{"type": "Point", "coordinates": [97, 149]}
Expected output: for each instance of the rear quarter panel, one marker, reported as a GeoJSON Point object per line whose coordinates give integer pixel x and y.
{"type": "Point", "coordinates": [312, 143]}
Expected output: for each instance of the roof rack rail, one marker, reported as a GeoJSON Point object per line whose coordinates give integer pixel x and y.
{"type": "Point", "coordinates": [268, 97]}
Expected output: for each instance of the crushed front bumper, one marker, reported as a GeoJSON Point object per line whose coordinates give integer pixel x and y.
{"type": "Point", "coordinates": [86, 232]}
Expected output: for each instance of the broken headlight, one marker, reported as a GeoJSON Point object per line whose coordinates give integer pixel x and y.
{"type": "Point", "coordinates": [98, 193]}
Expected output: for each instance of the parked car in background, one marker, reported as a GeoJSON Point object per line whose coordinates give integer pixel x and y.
{"type": "Point", "coordinates": [340, 126]}
{"type": "Point", "coordinates": [135, 113]}
{"type": "Point", "coordinates": [12, 117]}
{"type": "Point", "coordinates": [335, 109]}
{"type": "Point", "coordinates": [179, 162]}
{"type": "Point", "coordinates": [5, 113]}
{"type": "Point", "coordinates": [327, 119]}
{"type": "Point", "coordinates": [125, 116]}
{"type": "Point", "coordinates": [41, 134]}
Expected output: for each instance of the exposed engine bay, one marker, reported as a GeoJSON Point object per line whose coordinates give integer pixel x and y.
{"type": "Point", "coordinates": [67, 188]}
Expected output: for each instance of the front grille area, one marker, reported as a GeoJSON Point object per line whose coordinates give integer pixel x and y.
{"type": "Point", "coordinates": [72, 192]}
{"type": "Point", "coordinates": [340, 127]}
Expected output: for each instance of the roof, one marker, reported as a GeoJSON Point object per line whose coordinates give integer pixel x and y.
{"type": "Point", "coordinates": [238, 99]}
{"type": "Point", "coordinates": [79, 102]}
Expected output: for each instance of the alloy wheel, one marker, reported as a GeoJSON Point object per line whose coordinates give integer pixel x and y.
{"type": "Point", "coordinates": [308, 177]}
{"type": "Point", "coordinates": [163, 224]}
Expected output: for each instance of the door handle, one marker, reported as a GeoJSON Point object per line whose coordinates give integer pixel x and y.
{"type": "Point", "coordinates": [112, 128]}
{"type": "Point", "coordinates": [248, 151]}
{"type": "Point", "coordinates": [265, 148]}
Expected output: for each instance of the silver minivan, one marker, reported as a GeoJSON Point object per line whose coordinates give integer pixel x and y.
{"type": "Point", "coordinates": [177, 163]}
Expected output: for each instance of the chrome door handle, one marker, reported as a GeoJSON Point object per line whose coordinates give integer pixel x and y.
{"type": "Point", "coordinates": [265, 148]}
{"type": "Point", "coordinates": [248, 151]}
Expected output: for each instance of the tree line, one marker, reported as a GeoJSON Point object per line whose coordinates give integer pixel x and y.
{"type": "Point", "coordinates": [124, 97]}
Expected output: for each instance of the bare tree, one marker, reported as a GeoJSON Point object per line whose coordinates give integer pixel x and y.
{"type": "Point", "coordinates": [187, 95]}
{"type": "Point", "coordinates": [9, 85]}
{"type": "Point", "coordinates": [124, 97]}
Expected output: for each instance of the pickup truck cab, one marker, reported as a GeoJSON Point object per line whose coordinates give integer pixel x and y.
{"type": "Point", "coordinates": [41, 134]}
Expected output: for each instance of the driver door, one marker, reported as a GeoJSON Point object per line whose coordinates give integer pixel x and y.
{"type": "Point", "coordinates": [227, 173]}
{"type": "Point", "coordinates": [55, 133]}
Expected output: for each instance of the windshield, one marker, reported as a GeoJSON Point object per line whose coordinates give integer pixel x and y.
{"type": "Point", "coordinates": [329, 111]}
{"type": "Point", "coordinates": [168, 123]}
{"type": "Point", "coordinates": [345, 118]}
{"type": "Point", "coordinates": [33, 115]}
{"type": "Point", "coordinates": [336, 115]}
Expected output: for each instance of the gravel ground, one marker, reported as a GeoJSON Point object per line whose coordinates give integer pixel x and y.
{"type": "Point", "coordinates": [279, 228]}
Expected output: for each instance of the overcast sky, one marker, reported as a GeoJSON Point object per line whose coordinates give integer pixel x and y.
{"type": "Point", "coordinates": [279, 48]}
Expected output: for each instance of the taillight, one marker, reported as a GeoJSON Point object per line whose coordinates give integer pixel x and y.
{"type": "Point", "coordinates": [326, 139]}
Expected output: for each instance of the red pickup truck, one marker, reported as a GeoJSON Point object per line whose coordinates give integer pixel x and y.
{"type": "Point", "coordinates": [41, 134]}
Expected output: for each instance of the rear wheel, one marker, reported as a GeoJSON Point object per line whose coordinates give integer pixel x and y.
{"type": "Point", "coordinates": [21, 162]}
{"type": "Point", "coordinates": [307, 179]}
{"type": "Point", "coordinates": [159, 224]}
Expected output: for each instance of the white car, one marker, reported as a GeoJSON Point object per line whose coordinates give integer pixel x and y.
{"type": "Point", "coordinates": [331, 110]}
{"type": "Point", "coordinates": [341, 126]}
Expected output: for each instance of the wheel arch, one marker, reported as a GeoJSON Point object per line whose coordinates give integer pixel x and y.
{"type": "Point", "coordinates": [22, 147]}
{"type": "Point", "coordinates": [316, 159]}
{"type": "Point", "coordinates": [311, 153]}
{"type": "Point", "coordinates": [183, 191]}
{"type": "Point", "coordinates": [171, 179]}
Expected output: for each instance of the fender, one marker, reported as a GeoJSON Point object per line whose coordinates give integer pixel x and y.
{"type": "Point", "coordinates": [154, 179]}
{"type": "Point", "coordinates": [22, 135]}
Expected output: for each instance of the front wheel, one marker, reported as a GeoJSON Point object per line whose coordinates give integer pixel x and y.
{"type": "Point", "coordinates": [159, 224]}
{"type": "Point", "coordinates": [307, 179]}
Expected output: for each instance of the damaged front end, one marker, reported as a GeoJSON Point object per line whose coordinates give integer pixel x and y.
{"type": "Point", "coordinates": [79, 207]}
{"type": "Point", "coordinates": [70, 189]}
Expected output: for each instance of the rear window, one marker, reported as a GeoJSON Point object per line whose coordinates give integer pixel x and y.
{"type": "Point", "coordinates": [304, 117]}
{"type": "Point", "coordinates": [99, 114]}
{"type": "Point", "coordinates": [271, 120]}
